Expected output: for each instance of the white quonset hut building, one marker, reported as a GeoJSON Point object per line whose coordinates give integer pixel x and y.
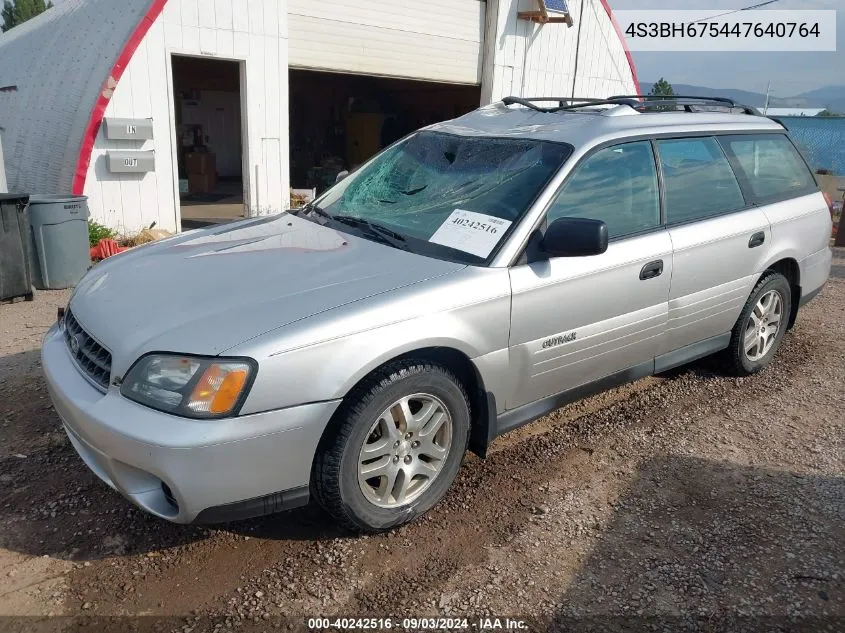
{"type": "Point", "coordinates": [152, 108]}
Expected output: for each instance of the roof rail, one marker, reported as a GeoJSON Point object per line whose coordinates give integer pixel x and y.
{"type": "Point", "coordinates": [638, 102]}
{"type": "Point", "coordinates": [529, 102]}
{"type": "Point", "coordinates": [688, 101]}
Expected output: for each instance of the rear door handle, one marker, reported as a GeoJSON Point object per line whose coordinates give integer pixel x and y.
{"type": "Point", "coordinates": [652, 270]}
{"type": "Point", "coordinates": [757, 240]}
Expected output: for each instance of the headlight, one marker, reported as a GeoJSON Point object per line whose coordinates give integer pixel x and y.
{"type": "Point", "coordinates": [190, 386]}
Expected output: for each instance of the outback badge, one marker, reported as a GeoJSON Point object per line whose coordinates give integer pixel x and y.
{"type": "Point", "coordinates": [560, 340]}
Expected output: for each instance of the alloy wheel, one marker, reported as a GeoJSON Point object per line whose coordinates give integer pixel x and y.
{"type": "Point", "coordinates": [405, 450]}
{"type": "Point", "coordinates": [764, 322]}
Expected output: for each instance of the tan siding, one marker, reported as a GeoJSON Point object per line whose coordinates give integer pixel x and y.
{"type": "Point", "coordinates": [438, 40]}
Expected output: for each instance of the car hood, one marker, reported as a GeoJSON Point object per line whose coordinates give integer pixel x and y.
{"type": "Point", "coordinates": [206, 291]}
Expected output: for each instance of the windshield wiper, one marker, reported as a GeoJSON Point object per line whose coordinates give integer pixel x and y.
{"type": "Point", "coordinates": [375, 229]}
{"type": "Point", "coordinates": [313, 208]}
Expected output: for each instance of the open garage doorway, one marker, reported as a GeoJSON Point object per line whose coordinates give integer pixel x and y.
{"type": "Point", "coordinates": [338, 121]}
{"type": "Point", "coordinates": [210, 135]}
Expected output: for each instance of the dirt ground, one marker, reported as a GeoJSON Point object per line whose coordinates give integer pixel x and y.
{"type": "Point", "coordinates": [689, 501]}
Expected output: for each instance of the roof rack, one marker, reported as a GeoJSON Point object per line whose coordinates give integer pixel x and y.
{"type": "Point", "coordinates": [640, 103]}
{"type": "Point", "coordinates": [688, 101]}
{"type": "Point", "coordinates": [529, 102]}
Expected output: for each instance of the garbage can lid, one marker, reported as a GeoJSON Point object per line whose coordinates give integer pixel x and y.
{"type": "Point", "coordinates": [5, 197]}
{"type": "Point", "coordinates": [56, 198]}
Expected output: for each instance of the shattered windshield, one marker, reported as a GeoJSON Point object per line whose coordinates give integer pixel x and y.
{"type": "Point", "coordinates": [443, 195]}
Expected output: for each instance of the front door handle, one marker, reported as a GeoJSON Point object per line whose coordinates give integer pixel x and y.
{"type": "Point", "coordinates": [757, 240]}
{"type": "Point", "coordinates": [652, 270]}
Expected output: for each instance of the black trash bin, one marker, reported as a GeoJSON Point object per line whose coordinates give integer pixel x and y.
{"type": "Point", "coordinates": [60, 240]}
{"type": "Point", "coordinates": [15, 258]}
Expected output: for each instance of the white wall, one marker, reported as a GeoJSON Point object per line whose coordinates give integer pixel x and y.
{"type": "Point", "coordinates": [437, 40]}
{"type": "Point", "coordinates": [533, 60]}
{"type": "Point", "coordinates": [251, 31]}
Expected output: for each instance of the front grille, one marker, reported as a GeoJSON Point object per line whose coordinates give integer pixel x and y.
{"type": "Point", "coordinates": [92, 358]}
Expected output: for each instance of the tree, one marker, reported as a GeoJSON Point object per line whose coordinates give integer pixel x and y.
{"type": "Point", "coordinates": [662, 89]}
{"type": "Point", "coordinates": [828, 113]}
{"type": "Point", "coordinates": [16, 12]}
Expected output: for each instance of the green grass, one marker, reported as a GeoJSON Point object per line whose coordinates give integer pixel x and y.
{"type": "Point", "coordinates": [97, 232]}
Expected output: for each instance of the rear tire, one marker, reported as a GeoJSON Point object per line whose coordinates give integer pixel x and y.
{"type": "Point", "coordinates": [761, 326]}
{"type": "Point", "coordinates": [396, 446]}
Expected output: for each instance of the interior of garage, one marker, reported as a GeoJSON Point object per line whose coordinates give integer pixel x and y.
{"type": "Point", "coordinates": [209, 133]}
{"type": "Point", "coordinates": [338, 121]}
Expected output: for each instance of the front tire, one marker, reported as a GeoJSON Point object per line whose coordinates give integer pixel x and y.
{"type": "Point", "coordinates": [396, 447]}
{"type": "Point", "coordinates": [761, 326]}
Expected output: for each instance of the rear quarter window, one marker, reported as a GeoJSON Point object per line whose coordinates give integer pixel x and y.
{"type": "Point", "coordinates": [698, 180]}
{"type": "Point", "coordinates": [770, 166]}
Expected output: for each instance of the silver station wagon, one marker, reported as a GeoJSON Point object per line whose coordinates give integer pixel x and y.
{"type": "Point", "coordinates": [471, 278]}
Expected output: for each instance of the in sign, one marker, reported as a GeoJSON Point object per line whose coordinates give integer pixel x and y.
{"type": "Point", "coordinates": [132, 129]}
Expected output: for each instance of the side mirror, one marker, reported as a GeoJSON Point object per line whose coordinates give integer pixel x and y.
{"type": "Point", "coordinates": [341, 176]}
{"type": "Point", "coordinates": [575, 237]}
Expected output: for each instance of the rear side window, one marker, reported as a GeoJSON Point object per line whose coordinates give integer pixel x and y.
{"type": "Point", "coordinates": [771, 166]}
{"type": "Point", "coordinates": [617, 185]}
{"type": "Point", "coordinates": [699, 181]}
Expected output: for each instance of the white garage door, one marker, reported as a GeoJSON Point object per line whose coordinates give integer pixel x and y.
{"type": "Point", "coordinates": [437, 40]}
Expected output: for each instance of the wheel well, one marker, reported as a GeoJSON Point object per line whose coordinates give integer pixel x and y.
{"type": "Point", "coordinates": [465, 371]}
{"type": "Point", "coordinates": [789, 268]}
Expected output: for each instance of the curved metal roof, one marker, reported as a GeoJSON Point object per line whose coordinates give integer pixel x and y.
{"type": "Point", "coordinates": [55, 71]}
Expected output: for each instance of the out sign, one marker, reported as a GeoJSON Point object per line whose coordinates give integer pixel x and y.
{"type": "Point", "coordinates": [131, 162]}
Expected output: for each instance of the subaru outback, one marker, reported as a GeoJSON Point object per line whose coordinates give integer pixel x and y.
{"type": "Point", "coordinates": [469, 279]}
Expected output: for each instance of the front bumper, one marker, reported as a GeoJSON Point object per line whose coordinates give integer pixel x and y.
{"type": "Point", "coordinates": [179, 469]}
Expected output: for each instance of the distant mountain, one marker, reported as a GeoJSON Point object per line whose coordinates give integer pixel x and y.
{"type": "Point", "coordinates": [830, 97]}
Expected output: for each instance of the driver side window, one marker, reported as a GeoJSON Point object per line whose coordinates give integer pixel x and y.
{"type": "Point", "coordinates": [617, 185]}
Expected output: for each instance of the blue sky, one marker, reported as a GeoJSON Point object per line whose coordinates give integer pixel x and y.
{"type": "Point", "coordinates": [790, 73]}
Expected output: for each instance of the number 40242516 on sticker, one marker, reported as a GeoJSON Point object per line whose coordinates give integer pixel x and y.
{"type": "Point", "coordinates": [471, 232]}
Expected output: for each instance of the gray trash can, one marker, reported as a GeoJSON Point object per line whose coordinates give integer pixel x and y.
{"type": "Point", "coordinates": [60, 239]}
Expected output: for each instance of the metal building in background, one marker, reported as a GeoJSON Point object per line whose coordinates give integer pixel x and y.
{"type": "Point", "coordinates": [4, 187]}
{"type": "Point", "coordinates": [152, 108]}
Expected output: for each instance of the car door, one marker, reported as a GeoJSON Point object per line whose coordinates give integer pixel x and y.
{"type": "Point", "coordinates": [576, 320]}
{"type": "Point", "coordinates": [719, 241]}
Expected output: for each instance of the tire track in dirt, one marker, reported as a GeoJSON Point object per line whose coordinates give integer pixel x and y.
{"type": "Point", "coordinates": [510, 484]}
{"type": "Point", "coordinates": [299, 563]}
{"type": "Point", "coordinates": [490, 505]}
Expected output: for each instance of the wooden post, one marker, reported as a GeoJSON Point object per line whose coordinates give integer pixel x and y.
{"type": "Point", "coordinates": [542, 16]}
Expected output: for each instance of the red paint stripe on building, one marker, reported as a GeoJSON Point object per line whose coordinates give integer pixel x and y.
{"type": "Point", "coordinates": [109, 86]}
{"type": "Point", "coordinates": [621, 35]}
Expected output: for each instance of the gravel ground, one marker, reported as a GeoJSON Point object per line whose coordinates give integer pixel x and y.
{"type": "Point", "coordinates": [689, 501]}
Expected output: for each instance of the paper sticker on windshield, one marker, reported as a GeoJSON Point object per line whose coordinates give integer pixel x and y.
{"type": "Point", "coordinates": [471, 232]}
